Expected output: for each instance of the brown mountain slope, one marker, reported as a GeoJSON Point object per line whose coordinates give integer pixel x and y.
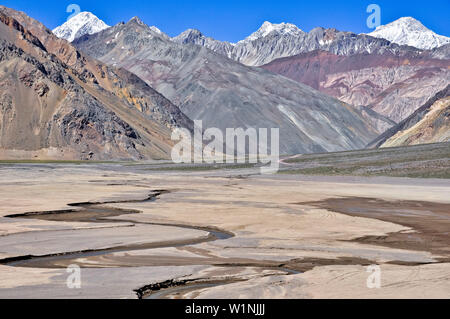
{"type": "Point", "coordinates": [58, 103]}
{"type": "Point", "coordinates": [393, 86]}
{"type": "Point", "coordinates": [433, 128]}
{"type": "Point", "coordinates": [429, 124]}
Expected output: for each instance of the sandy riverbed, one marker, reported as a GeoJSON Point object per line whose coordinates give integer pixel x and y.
{"type": "Point", "coordinates": [292, 236]}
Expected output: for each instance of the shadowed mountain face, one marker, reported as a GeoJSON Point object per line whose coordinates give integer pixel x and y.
{"type": "Point", "coordinates": [394, 86]}
{"type": "Point", "coordinates": [55, 102]}
{"type": "Point", "coordinates": [226, 94]}
{"type": "Point", "coordinates": [429, 124]}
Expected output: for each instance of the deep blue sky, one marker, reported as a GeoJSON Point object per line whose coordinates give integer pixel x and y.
{"type": "Point", "coordinates": [233, 20]}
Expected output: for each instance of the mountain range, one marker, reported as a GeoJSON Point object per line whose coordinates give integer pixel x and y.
{"type": "Point", "coordinates": [383, 73]}
{"type": "Point", "coordinates": [91, 91]}
{"type": "Point", "coordinates": [273, 41]}
{"type": "Point", "coordinates": [223, 93]}
{"type": "Point", "coordinates": [262, 47]}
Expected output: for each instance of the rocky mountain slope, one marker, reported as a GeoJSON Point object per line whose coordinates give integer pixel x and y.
{"type": "Point", "coordinates": [57, 103]}
{"type": "Point", "coordinates": [227, 94]}
{"type": "Point", "coordinates": [193, 36]}
{"type": "Point", "coordinates": [429, 124]}
{"type": "Point", "coordinates": [274, 41]}
{"type": "Point", "coordinates": [379, 122]}
{"type": "Point", "coordinates": [79, 25]}
{"type": "Point", "coordinates": [409, 31]}
{"type": "Point", "coordinates": [393, 86]}
{"type": "Point", "coordinates": [442, 52]}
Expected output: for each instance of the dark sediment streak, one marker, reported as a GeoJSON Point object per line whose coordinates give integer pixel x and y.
{"type": "Point", "coordinates": [96, 212]}
{"type": "Point", "coordinates": [429, 221]}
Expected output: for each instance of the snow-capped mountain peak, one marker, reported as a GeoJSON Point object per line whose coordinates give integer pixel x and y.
{"type": "Point", "coordinates": [79, 25]}
{"type": "Point", "coordinates": [281, 28]}
{"type": "Point", "coordinates": [159, 32]}
{"type": "Point", "coordinates": [156, 30]}
{"type": "Point", "coordinates": [409, 31]}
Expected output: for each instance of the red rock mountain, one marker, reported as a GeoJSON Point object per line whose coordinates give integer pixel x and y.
{"type": "Point", "coordinates": [394, 86]}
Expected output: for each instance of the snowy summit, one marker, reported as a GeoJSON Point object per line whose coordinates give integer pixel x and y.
{"type": "Point", "coordinates": [81, 24]}
{"type": "Point", "coordinates": [267, 28]}
{"type": "Point", "coordinates": [409, 31]}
